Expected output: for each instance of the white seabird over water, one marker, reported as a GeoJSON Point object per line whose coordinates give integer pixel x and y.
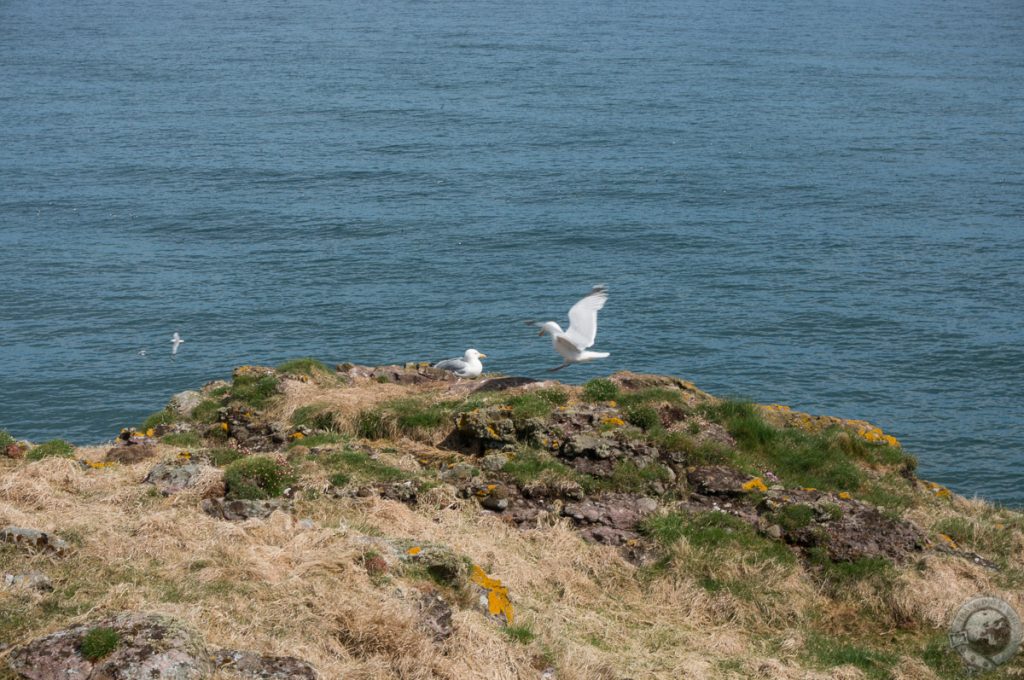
{"type": "Point", "coordinates": [175, 341]}
{"type": "Point", "coordinates": [468, 366]}
{"type": "Point", "coordinates": [573, 343]}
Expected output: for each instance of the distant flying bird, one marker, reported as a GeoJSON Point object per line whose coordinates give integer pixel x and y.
{"type": "Point", "coordinates": [175, 341]}
{"type": "Point", "coordinates": [468, 366]}
{"type": "Point", "coordinates": [142, 352]}
{"type": "Point", "coordinates": [573, 343]}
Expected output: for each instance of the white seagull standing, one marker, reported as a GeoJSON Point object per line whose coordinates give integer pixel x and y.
{"type": "Point", "coordinates": [175, 341]}
{"type": "Point", "coordinates": [468, 366]}
{"type": "Point", "coordinates": [573, 343]}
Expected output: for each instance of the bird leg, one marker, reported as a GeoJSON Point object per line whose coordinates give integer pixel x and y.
{"type": "Point", "coordinates": [559, 368]}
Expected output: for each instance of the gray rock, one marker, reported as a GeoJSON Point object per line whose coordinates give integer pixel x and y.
{"type": "Point", "coordinates": [590, 446]}
{"type": "Point", "coordinates": [149, 646]}
{"type": "Point", "coordinates": [35, 539]}
{"type": "Point", "coordinates": [435, 617]}
{"type": "Point", "coordinates": [239, 509]}
{"type": "Point", "coordinates": [496, 498]}
{"type": "Point", "coordinates": [182, 403]}
{"type": "Point", "coordinates": [171, 479]}
{"type": "Point", "coordinates": [34, 580]}
{"type": "Point", "coordinates": [251, 666]}
{"type": "Point", "coordinates": [493, 462]}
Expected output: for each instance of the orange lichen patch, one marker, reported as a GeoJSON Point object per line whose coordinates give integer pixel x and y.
{"type": "Point", "coordinates": [876, 436]}
{"type": "Point", "coordinates": [498, 602]}
{"type": "Point", "coordinates": [97, 465]}
{"type": "Point", "coordinates": [614, 422]}
{"type": "Point", "coordinates": [224, 426]}
{"type": "Point", "coordinates": [778, 407]}
{"type": "Point", "coordinates": [943, 493]}
{"type": "Point", "coordinates": [755, 484]}
{"type": "Point", "coordinates": [613, 403]}
{"type": "Point", "coordinates": [949, 541]}
{"type": "Point", "coordinates": [845, 495]}
{"type": "Point", "coordinates": [185, 455]}
{"type": "Point", "coordinates": [297, 435]}
{"type": "Point", "coordinates": [809, 488]}
{"type": "Point", "coordinates": [486, 490]}
{"type": "Point", "coordinates": [491, 431]}
{"type": "Point", "coordinates": [415, 550]}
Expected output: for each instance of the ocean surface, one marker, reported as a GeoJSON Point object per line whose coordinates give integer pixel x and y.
{"type": "Point", "coordinates": [818, 203]}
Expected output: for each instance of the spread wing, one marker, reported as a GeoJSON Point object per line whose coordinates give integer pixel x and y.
{"type": "Point", "coordinates": [454, 365]}
{"type": "Point", "coordinates": [583, 318]}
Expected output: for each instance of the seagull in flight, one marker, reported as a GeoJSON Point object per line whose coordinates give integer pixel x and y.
{"type": "Point", "coordinates": [175, 341]}
{"type": "Point", "coordinates": [468, 366]}
{"type": "Point", "coordinates": [573, 343]}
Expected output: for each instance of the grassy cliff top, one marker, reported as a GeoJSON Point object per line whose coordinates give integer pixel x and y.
{"type": "Point", "coordinates": [403, 524]}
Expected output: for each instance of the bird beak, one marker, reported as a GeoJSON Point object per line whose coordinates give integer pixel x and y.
{"type": "Point", "coordinates": [483, 356]}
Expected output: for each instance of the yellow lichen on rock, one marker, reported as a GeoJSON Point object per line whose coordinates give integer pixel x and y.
{"type": "Point", "coordinates": [498, 602]}
{"type": "Point", "coordinates": [755, 484]}
{"type": "Point", "coordinates": [614, 422]}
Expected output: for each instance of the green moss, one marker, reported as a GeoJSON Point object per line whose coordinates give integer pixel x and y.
{"type": "Point", "coordinates": [600, 389]}
{"type": "Point", "coordinates": [164, 417]}
{"type": "Point", "coordinates": [54, 448]}
{"type": "Point", "coordinates": [99, 642]}
{"type": "Point", "coordinates": [794, 516]}
{"type": "Point", "coordinates": [256, 391]}
{"type": "Point", "coordinates": [257, 477]}
{"type": "Point", "coordinates": [305, 366]}
{"type": "Point", "coordinates": [188, 440]}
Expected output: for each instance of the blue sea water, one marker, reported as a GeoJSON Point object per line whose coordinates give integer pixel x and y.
{"type": "Point", "coordinates": [814, 203]}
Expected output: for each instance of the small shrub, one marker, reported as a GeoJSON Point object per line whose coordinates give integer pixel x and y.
{"type": "Point", "coordinates": [794, 516]}
{"type": "Point", "coordinates": [537, 403]}
{"type": "Point", "coordinates": [5, 439]}
{"type": "Point", "coordinates": [206, 411]}
{"type": "Point", "coordinates": [256, 478]}
{"type": "Point", "coordinates": [373, 424]}
{"type": "Point", "coordinates": [600, 389]}
{"type": "Point", "coordinates": [644, 417]}
{"type": "Point", "coordinates": [99, 642]}
{"type": "Point", "coordinates": [188, 440]}
{"type": "Point", "coordinates": [54, 448]}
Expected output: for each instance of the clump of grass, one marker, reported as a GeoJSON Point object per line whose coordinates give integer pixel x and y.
{"type": "Point", "coordinates": [712, 531]}
{"type": "Point", "coordinates": [164, 417]}
{"type": "Point", "coordinates": [829, 652]}
{"type": "Point", "coordinates": [257, 478]}
{"type": "Point", "coordinates": [409, 416]}
{"type": "Point", "coordinates": [537, 403]}
{"type": "Point", "coordinates": [5, 439]}
{"type": "Point", "coordinates": [794, 516]}
{"type": "Point", "coordinates": [600, 389]}
{"type": "Point", "coordinates": [798, 458]}
{"type": "Point", "coordinates": [99, 642]}
{"type": "Point", "coordinates": [316, 417]}
{"type": "Point", "coordinates": [206, 411]}
{"type": "Point", "coordinates": [305, 366]}
{"type": "Point", "coordinates": [315, 440]}
{"type": "Point", "coordinates": [222, 457]}
{"type": "Point", "coordinates": [644, 417]}
{"type": "Point", "coordinates": [256, 391]}
{"type": "Point", "coordinates": [628, 477]}
{"type": "Point", "coordinates": [650, 395]}
{"type": "Point", "coordinates": [523, 634]}
{"type": "Point", "coordinates": [704, 453]}
{"type": "Point", "coordinates": [55, 448]}
{"type": "Point", "coordinates": [530, 465]}
{"type": "Point", "coordinates": [347, 465]}
{"type": "Point", "coordinates": [839, 576]}
{"type": "Point", "coordinates": [183, 439]}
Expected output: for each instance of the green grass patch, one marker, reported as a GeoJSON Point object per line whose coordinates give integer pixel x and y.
{"type": "Point", "coordinates": [650, 395]}
{"type": "Point", "coordinates": [712, 531]}
{"type": "Point", "coordinates": [315, 417]}
{"type": "Point", "coordinates": [829, 652]}
{"type": "Point", "coordinates": [600, 389]}
{"type": "Point", "coordinates": [345, 466]}
{"type": "Point", "coordinates": [305, 366]}
{"type": "Point", "coordinates": [537, 403]}
{"type": "Point", "coordinates": [257, 478]}
{"type": "Point", "coordinates": [55, 448]}
{"type": "Point", "coordinates": [99, 642]}
{"type": "Point", "coordinates": [522, 634]}
{"type": "Point", "coordinates": [5, 439]}
{"type": "Point", "coordinates": [628, 477]}
{"type": "Point", "coordinates": [164, 417]}
{"type": "Point", "coordinates": [529, 465]}
{"type": "Point", "coordinates": [794, 516]}
{"type": "Point", "coordinates": [256, 391]}
{"type": "Point", "coordinates": [644, 417]}
{"type": "Point", "coordinates": [410, 416]}
{"type": "Point", "coordinates": [206, 411]}
{"type": "Point", "coordinates": [188, 440]}
{"type": "Point", "coordinates": [838, 576]}
{"type": "Point", "coordinates": [222, 457]}
{"type": "Point", "coordinates": [315, 440]}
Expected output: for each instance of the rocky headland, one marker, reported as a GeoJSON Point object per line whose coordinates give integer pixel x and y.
{"type": "Point", "coordinates": [392, 522]}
